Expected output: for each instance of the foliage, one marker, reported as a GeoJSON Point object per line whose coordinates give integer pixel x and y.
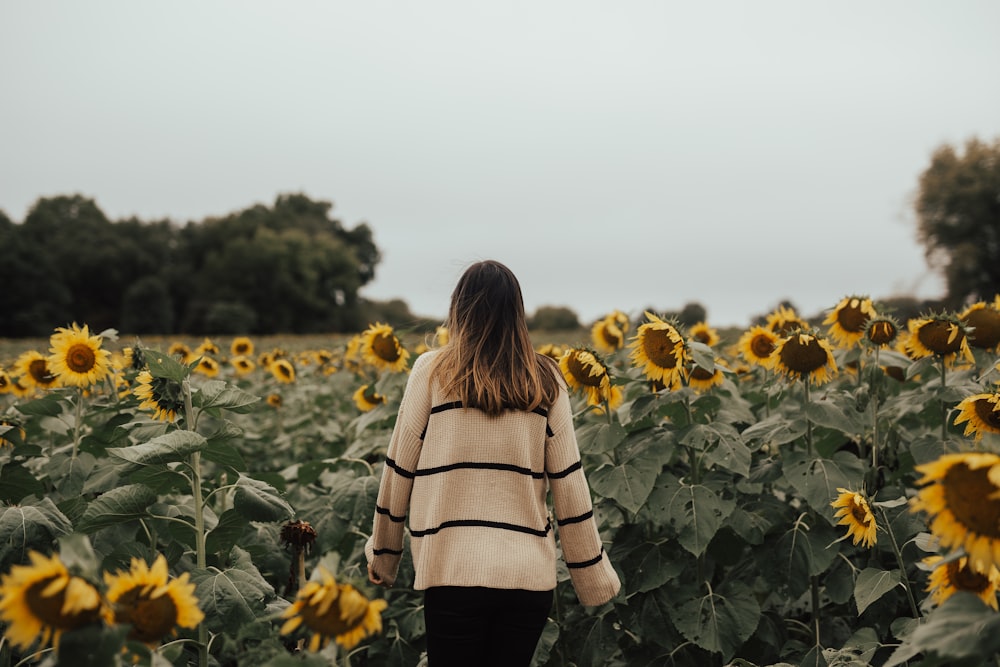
{"type": "Point", "coordinates": [554, 318]}
{"type": "Point", "coordinates": [958, 218]}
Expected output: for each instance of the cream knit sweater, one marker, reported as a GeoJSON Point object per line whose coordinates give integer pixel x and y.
{"type": "Point", "coordinates": [474, 489]}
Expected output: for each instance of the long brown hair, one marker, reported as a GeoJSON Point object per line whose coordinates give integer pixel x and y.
{"type": "Point", "coordinates": [489, 360]}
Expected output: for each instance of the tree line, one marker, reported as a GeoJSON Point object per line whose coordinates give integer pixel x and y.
{"type": "Point", "coordinates": [285, 268]}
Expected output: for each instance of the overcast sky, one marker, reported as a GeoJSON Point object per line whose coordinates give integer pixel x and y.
{"type": "Point", "coordinates": [613, 154]}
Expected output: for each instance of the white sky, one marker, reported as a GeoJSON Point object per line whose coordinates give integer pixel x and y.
{"type": "Point", "coordinates": [614, 155]}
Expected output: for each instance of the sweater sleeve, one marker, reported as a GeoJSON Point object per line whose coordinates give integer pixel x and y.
{"type": "Point", "coordinates": [384, 548]}
{"type": "Point", "coordinates": [594, 579]}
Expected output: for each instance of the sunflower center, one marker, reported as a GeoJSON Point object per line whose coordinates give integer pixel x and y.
{"type": "Point", "coordinates": [659, 347]}
{"type": "Point", "coordinates": [48, 609]}
{"type": "Point", "coordinates": [987, 414]}
{"type": "Point", "coordinates": [987, 327]}
{"type": "Point", "coordinates": [967, 494]}
{"type": "Point", "coordinates": [151, 619]}
{"type": "Point", "coordinates": [941, 337]}
{"type": "Point", "coordinates": [852, 319]}
{"type": "Point", "coordinates": [861, 515]}
{"type": "Point", "coordinates": [80, 358]}
{"type": "Point", "coordinates": [803, 357]}
{"type": "Point", "coordinates": [612, 335]}
{"type": "Point", "coordinates": [385, 346]}
{"type": "Point", "coordinates": [964, 578]}
{"type": "Point", "coordinates": [700, 373]}
{"type": "Point", "coordinates": [167, 394]}
{"type": "Point", "coordinates": [328, 623]}
{"type": "Point", "coordinates": [39, 371]}
{"type": "Point", "coordinates": [882, 333]}
{"type": "Point", "coordinates": [762, 346]}
{"type": "Point", "coordinates": [581, 372]}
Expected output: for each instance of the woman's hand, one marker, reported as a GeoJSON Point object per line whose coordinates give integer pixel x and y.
{"type": "Point", "coordinates": [375, 578]}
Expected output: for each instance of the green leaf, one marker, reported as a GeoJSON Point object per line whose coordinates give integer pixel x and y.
{"type": "Point", "coordinates": [722, 444]}
{"type": "Point", "coordinates": [224, 536]}
{"type": "Point", "coordinates": [232, 597]}
{"type": "Point", "coordinates": [259, 501]}
{"type": "Point", "coordinates": [651, 566]}
{"type": "Point", "coordinates": [30, 526]}
{"type": "Point", "coordinates": [46, 406]}
{"type": "Point", "coordinates": [817, 479]}
{"type": "Point", "coordinates": [873, 583]}
{"type": "Point", "coordinates": [597, 438]}
{"type": "Point", "coordinates": [162, 365]}
{"type": "Point", "coordinates": [720, 621]}
{"type": "Point", "coordinates": [167, 448]}
{"type": "Point", "coordinates": [117, 506]}
{"type": "Point", "coordinates": [629, 482]}
{"type": "Point", "coordinates": [802, 552]}
{"type": "Point", "coordinates": [597, 642]}
{"type": "Point", "coordinates": [776, 430]}
{"type": "Point", "coordinates": [355, 502]}
{"type": "Point", "coordinates": [224, 454]}
{"type": "Point", "coordinates": [962, 627]}
{"type": "Point", "coordinates": [17, 482]}
{"type": "Point", "coordinates": [831, 415]}
{"type": "Point", "coordinates": [219, 394]}
{"type": "Point", "coordinates": [695, 512]}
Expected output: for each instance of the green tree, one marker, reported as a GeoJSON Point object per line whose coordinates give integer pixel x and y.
{"type": "Point", "coordinates": [958, 219]}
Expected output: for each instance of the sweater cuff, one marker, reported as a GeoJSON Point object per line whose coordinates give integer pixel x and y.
{"type": "Point", "coordinates": [595, 584]}
{"type": "Point", "coordinates": [385, 565]}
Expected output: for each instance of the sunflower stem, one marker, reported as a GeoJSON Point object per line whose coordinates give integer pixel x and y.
{"type": "Point", "coordinates": [944, 404]}
{"type": "Point", "coordinates": [907, 586]}
{"type": "Point", "coordinates": [809, 424]}
{"type": "Point", "coordinates": [874, 399]}
{"type": "Point", "coordinates": [76, 423]}
{"type": "Point", "coordinates": [814, 595]}
{"type": "Point", "coordinates": [199, 515]}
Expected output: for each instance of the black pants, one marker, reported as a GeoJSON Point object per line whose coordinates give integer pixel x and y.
{"type": "Point", "coordinates": [486, 627]}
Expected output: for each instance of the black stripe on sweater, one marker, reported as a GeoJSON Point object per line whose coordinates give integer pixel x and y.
{"type": "Point", "coordinates": [475, 465]}
{"type": "Point", "coordinates": [392, 517]}
{"type": "Point", "coordinates": [586, 563]}
{"type": "Point", "coordinates": [392, 552]}
{"type": "Point", "coordinates": [466, 523]}
{"type": "Point", "coordinates": [565, 473]}
{"type": "Point", "coordinates": [398, 468]}
{"type": "Point", "coordinates": [457, 404]}
{"type": "Point", "coordinates": [575, 519]}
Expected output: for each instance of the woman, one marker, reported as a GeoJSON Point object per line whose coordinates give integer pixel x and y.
{"type": "Point", "coordinates": [484, 431]}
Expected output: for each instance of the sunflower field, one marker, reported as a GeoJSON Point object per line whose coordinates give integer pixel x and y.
{"type": "Point", "coordinates": [796, 493]}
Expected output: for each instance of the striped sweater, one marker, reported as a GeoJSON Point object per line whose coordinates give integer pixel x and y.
{"type": "Point", "coordinates": [474, 490]}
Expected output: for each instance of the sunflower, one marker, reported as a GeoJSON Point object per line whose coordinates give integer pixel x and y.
{"type": "Point", "coordinates": [242, 365]}
{"type": "Point", "coordinates": [961, 494]}
{"type": "Point", "coordinates": [381, 348]}
{"type": "Point", "coordinates": [282, 370]}
{"type": "Point", "coordinates": [146, 599]}
{"type": "Point", "coordinates": [6, 383]}
{"type": "Point", "coordinates": [980, 413]}
{"type": "Point", "coordinates": [274, 400]}
{"type": "Point", "coordinates": [552, 350]}
{"type": "Point", "coordinates": [367, 399]}
{"type": "Point", "coordinates": [659, 349]}
{"type": "Point", "coordinates": [11, 432]}
{"type": "Point", "coordinates": [441, 336]}
{"type": "Point", "coordinates": [181, 351]}
{"type": "Point", "coordinates": [207, 366]}
{"type": "Point", "coordinates": [940, 335]}
{"type": "Point", "coordinates": [701, 380]}
{"type": "Point", "coordinates": [854, 512]}
{"type": "Point", "coordinates": [77, 357]}
{"type": "Point", "coordinates": [40, 601]}
{"type": "Point", "coordinates": [984, 322]}
{"type": "Point", "coordinates": [332, 611]}
{"type": "Point", "coordinates": [848, 320]}
{"type": "Point", "coordinates": [946, 579]}
{"type": "Point", "coordinates": [207, 347]}
{"type": "Point", "coordinates": [804, 355]}
{"type": "Point", "coordinates": [352, 353]}
{"type": "Point", "coordinates": [783, 320]}
{"type": "Point", "coordinates": [881, 331]}
{"type": "Point", "coordinates": [161, 395]}
{"type": "Point", "coordinates": [584, 371]}
{"type": "Point", "coordinates": [33, 370]}
{"type": "Point", "coordinates": [703, 333]}
{"type": "Point", "coordinates": [241, 347]}
{"type": "Point", "coordinates": [608, 333]}
{"type": "Point", "coordinates": [757, 344]}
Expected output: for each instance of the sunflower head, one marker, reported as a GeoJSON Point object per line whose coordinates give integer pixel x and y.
{"type": "Point", "coordinates": [881, 331]}
{"type": "Point", "coordinates": [282, 370]}
{"type": "Point", "coordinates": [660, 351]}
{"type": "Point", "coordinates": [941, 335]}
{"type": "Point", "coordinates": [783, 320]}
{"type": "Point", "coordinates": [367, 399]}
{"type": "Point", "coordinates": [441, 336]}
{"type": "Point", "coordinates": [984, 325]}
{"type": "Point", "coordinates": [274, 400]}
{"type": "Point", "coordinates": [757, 344]}
{"type": "Point", "coordinates": [152, 603]}
{"type": "Point", "coordinates": [703, 333]}
{"type": "Point", "coordinates": [207, 366]}
{"type": "Point", "coordinates": [11, 431]}
{"type": "Point", "coordinates": [165, 397]}
{"type": "Point", "coordinates": [848, 319]}
{"type": "Point", "coordinates": [804, 355]}
{"type": "Point", "coordinates": [552, 350]}
{"type": "Point", "coordinates": [701, 379]}
{"type": "Point", "coordinates": [242, 365]}
{"type": "Point", "coordinates": [333, 611]}
{"type": "Point", "coordinates": [382, 349]}
{"type": "Point", "coordinates": [961, 495]}
{"type": "Point", "coordinates": [585, 371]}
{"type": "Point", "coordinates": [77, 357]}
{"type": "Point", "coordinates": [40, 601]}
{"type": "Point", "coordinates": [241, 346]}
{"type": "Point", "coordinates": [957, 574]}
{"type": "Point", "coordinates": [854, 512]}
{"type": "Point", "coordinates": [980, 413]}
{"type": "Point", "coordinates": [6, 383]}
{"type": "Point", "coordinates": [33, 370]}
{"type": "Point", "coordinates": [181, 351]}
{"type": "Point", "coordinates": [608, 333]}
{"type": "Point", "coordinates": [207, 347]}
